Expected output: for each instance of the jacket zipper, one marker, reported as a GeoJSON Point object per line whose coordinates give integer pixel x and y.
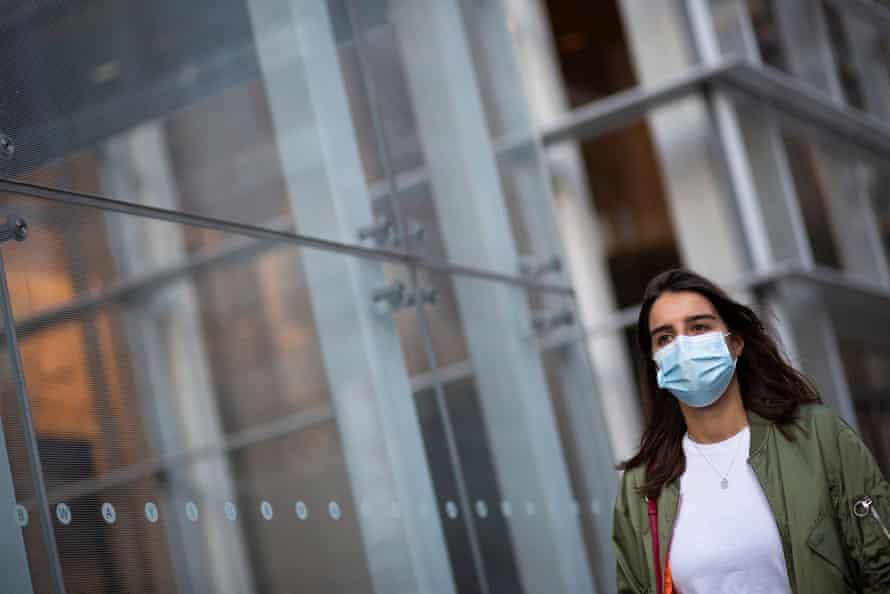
{"type": "Point", "coordinates": [864, 506]}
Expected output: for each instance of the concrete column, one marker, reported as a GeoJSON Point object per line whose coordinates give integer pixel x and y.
{"type": "Point", "coordinates": [470, 204]}
{"type": "Point", "coordinates": [165, 335]}
{"type": "Point", "coordinates": [363, 361]}
{"type": "Point", "coordinates": [579, 230]}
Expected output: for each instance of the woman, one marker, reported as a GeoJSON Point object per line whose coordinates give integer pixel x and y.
{"type": "Point", "coordinates": [750, 484]}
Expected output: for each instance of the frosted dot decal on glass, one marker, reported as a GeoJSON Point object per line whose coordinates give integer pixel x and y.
{"type": "Point", "coordinates": [595, 507]}
{"type": "Point", "coordinates": [151, 512]}
{"type": "Point", "coordinates": [108, 513]}
{"type": "Point", "coordinates": [576, 509]}
{"type": "Point", "coordinates": [191, 511]}
{"type": "Point", "coordinates": [451, 509]}
{"type": "Point", "coordinates": [63, 513]}
{"type": "Point", "coordinates": [301, 510]}
{"type": "Point", "coordinates": [21, 515]}
{"type": "Point", "coordinates": [231, 511]}
{"type": "Point", "coordinates": [266, 510]}
{"type": "Point", "coordinates": [530, 508]}
{"type": "Point", "coordinates": [394, 510]}
{"type": "Point", "coordinates": [506, 508]}
{"type": "Point", "coordinates": [334, 510]}
{"type": "Point", "coordinates": [482, 509]}
{"type": "Point", "coordinates": [365, 508]}
{"type": "Point", "coordinates": [424, 510]}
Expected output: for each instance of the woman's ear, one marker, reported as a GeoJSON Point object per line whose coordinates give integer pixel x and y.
{"type": "Point", "coordinates": [737, 345]}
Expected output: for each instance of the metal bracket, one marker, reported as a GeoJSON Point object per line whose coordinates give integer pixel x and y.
{"type": "Point", "coordinates": [381, 231]}
{"type": "Point", "coordinates": [7, 146]}
{"type": "Point", "coordinates": [395, 296]}
{"type": "Point", "coordinates": [531, 267]}
{"type": "Point", "coordinates": [546, 321]}
{"type": "Point", "coordinates": [422, 295]}
{"type": "Point", "coordinates": [415, 231]}
{"type": "Point", "coordinates": [14, 228]}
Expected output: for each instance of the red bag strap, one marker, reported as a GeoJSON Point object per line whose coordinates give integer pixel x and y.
{"type": "Point", "coordinates": [656, 553]}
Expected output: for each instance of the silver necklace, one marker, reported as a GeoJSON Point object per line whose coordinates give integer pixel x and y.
{"type": "Point", "coordinates": [724, 482]}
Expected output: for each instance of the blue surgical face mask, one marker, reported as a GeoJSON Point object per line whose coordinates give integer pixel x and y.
{"type": "Point", "coordinates": [696, 369]}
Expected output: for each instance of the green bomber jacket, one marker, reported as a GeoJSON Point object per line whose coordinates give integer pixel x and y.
{"type": "Point", "coordinates": [812, 485]}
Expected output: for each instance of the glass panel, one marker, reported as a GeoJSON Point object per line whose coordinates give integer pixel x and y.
{"type": "Point", "coordinates": [521, 501]}
{"type": "Point", "coordinates": [193, 77]}
{"type": "Point", "coordinates": [184, 413]}
{"type": "Point", "coordinates": [592, 494]}
{"type": "Point", "coordinates": [488, 524]}
{"type": "Point", "coordinates": [574, 394]}
{"type": "Point", "coordinates": [187, 72]}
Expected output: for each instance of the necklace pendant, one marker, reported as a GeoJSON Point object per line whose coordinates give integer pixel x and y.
{"type": "Point", "coordinates": [724, 484]}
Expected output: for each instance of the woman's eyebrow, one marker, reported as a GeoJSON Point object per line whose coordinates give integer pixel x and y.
{"type": "Point", "coordinates": [699, 317]}
{"type": "Point", "coordinates": [662, 328]}
{"type": "Point", "coordinates": [689, 320]}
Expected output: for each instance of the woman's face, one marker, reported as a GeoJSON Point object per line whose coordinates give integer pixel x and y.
{"type": "Point", "coordinates": [688, 313]}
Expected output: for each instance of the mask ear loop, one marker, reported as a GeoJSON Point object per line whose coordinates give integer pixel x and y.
{"type": "Point", "coordinates": [735, 360]}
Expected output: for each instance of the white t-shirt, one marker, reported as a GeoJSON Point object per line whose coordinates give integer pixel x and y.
{"type": "Point", "coordinates": [725, 541]}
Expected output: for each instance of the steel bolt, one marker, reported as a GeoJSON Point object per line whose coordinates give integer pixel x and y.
{"type": "Point", "coordinates": [7, 147]}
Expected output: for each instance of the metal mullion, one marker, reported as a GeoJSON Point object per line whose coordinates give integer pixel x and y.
{"type": "Point", "coordinates": [194, 220]}
{"type": "Point", "coordinates": [451, 442]}
{"type": "Point", "coordinates": [32, 448]}
{"type": "Point", "coordinates": [830, 278]}
{"type": "Point", "coordinates": [625, 107]}
{"type": "Point", "coordinates": [782, 92]}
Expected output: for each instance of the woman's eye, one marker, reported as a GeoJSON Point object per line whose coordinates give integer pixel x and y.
{"type": "Point", "coordinates": [700, 328]}
{"type": "Point", "coordinates": [662, 340]}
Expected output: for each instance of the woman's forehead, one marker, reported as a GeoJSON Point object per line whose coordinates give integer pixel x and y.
{"type": "Point", "coordinates": [674, 307]}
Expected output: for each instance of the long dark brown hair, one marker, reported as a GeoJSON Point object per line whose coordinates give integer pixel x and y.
{"type": "Point", "coordinates": [769, 385]}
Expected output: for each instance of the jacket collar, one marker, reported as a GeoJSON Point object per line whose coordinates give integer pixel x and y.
{"type": "Point", "coordinates": [759, 428]}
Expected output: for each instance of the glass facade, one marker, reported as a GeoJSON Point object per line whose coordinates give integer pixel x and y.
{"type": "Point", "coordinates": [290, 313]}
{"type": "Point", "coordinates": [339, 295]}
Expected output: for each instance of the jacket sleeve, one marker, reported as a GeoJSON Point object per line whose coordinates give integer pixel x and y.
{"type": "Point", "coordinates": [856, 475]}
{"type": "Point", "coordinates": [624, 538]}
